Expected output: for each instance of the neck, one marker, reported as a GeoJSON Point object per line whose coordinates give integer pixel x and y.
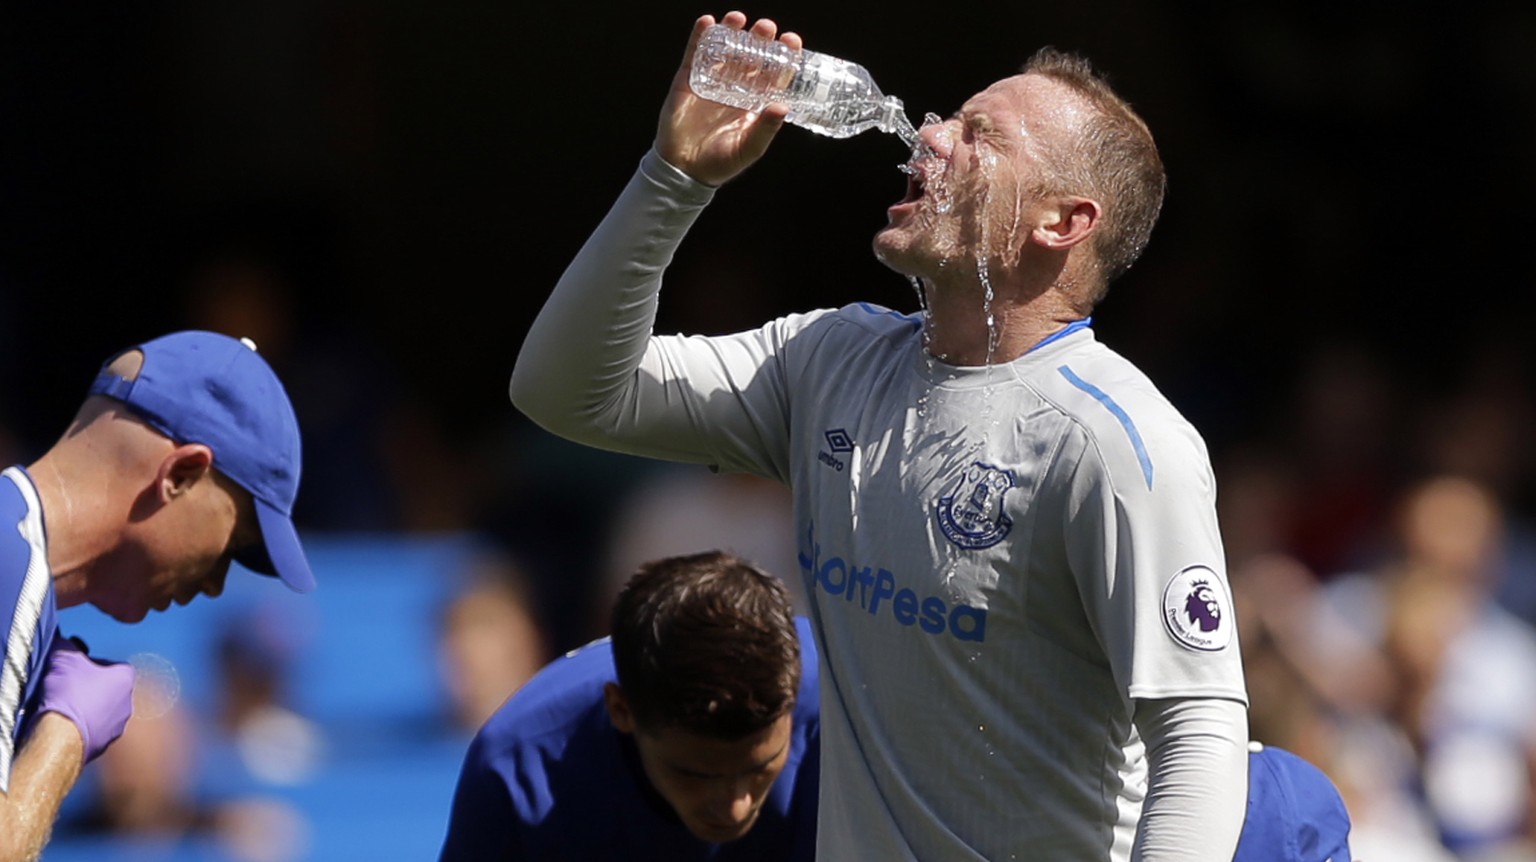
{"type": "Point", "coordinates": [961, 333]}
{"type": "Point", "coordinates": [73, 518]}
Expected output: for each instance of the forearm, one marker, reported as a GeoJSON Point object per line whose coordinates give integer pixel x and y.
{"type": "Point", "coordinates": [591, 335]}
{"type": "Point", "coordinates": [1197, 779]}
{"type": "Point", "coordinates": [44, 771]}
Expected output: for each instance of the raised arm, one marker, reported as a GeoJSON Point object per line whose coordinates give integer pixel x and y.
{"type": "Point", "coordinates": [590, 370]}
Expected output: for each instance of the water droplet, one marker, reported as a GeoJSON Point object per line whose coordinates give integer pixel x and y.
{"type": "Point", "coordinates": [988, 165]}
{"type": "Point", "coordinates": [156, 685]}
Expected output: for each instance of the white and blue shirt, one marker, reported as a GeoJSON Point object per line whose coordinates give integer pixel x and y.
{"type": "Point", "coordinates": [27, 611]}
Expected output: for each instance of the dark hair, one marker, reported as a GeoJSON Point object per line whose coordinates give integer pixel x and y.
{"type": "Point", "coordinates": [706, 643]}
{"type": "Point", "coordinates": [1115, 161]}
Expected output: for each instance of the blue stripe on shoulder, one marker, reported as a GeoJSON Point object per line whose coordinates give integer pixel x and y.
{"type": "Point", "coordinates": [913, 320]}
{"type": "Point", "coordinates": [1119, 413]}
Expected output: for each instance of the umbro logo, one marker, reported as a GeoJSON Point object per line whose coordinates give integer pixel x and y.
{"type": "Point", "coordinates": [839, 440]}
{"type": "Point", "coordinates": [840, 444]}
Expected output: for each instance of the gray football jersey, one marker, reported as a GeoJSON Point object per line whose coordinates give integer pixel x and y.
{"type": "Point", "coordinates": [1000, 560]}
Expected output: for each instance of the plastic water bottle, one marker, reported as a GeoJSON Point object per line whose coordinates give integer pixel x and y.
{"type": "Point", "coordinates": [824, 94]}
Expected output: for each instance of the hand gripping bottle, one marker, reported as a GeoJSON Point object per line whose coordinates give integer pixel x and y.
{"type": "Point", "coordinates": [824, 94]}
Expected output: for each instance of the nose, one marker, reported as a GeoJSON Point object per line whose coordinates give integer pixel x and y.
{"type": "Point", "coordinates": [938, 136]}
{"type": "Point", "coordinates": [733, 804]}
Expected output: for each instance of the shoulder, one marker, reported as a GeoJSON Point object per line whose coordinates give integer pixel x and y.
{"type": "Point", "coordinates": [842, 340]}
{"type": "Point", "coordinates": [1129, 427]}
{"type": "Point", "coordinates": [16, 549]}
{"type": "Point", "coordinates": [554, 731]}
{"type": "Point", "coordinates": [865, 319]}
{"type": "Point", "coordinates": [860, 321]}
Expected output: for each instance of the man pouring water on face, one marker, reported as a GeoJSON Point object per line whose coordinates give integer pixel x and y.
{"type": "Point", "coordinates": [1016, 576]}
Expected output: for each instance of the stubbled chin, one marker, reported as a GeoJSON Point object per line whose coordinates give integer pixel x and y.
{"type": "Point", "coordinates": [135, 615]}
{"type": "Point", "coordinates": [893, 247]}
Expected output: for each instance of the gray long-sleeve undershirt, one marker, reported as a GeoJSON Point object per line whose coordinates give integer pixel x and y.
{"type": "Point", "coordinates": [578, 375]}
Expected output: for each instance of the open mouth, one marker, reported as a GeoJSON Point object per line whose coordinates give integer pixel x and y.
{"type": "Point", "coordinates": [917, 176]}
{"type": "Point", "coordinates": [925, 170]}
{"type": "Point", "coordinates": [914, 189]}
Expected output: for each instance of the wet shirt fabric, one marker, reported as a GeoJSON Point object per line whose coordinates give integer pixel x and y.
{"type": "Point", "coordinates": [27, 610]}
{"type": "Point", "coordinates": [549, 779]}
{"type": "Point", "coordinates": [1000, 559]}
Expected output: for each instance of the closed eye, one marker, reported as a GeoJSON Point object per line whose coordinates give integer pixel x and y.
{"type": "Point", "coordinates": [980, 127]}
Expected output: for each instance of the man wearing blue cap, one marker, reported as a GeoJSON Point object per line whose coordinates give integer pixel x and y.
{"type": "Point", "coordinates": [1295, 814]}
{"type": "Point", "coordinates": [183, 458]}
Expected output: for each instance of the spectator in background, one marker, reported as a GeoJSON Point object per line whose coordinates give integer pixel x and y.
{"type": "Point", "coordinates": [1343, 462]}
{"type": "Point", "coordinates": [690, 735]}
{"type": "Point", "coordinates": [260, 740]}
{"type": "Point", "coordinates": [1444, 755]}
{"type": "Point", "coordinates": [490, 640]}
{"type": "Point", "coordinates": [257, 744]}
{"type": "Point", "coordinates": [674, 507]}
{"type": "Point", "coordinates": [1481, 429]}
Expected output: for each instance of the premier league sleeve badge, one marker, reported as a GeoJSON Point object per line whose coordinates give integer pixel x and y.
{"type": "Point", "coordinates": [1197, 611]}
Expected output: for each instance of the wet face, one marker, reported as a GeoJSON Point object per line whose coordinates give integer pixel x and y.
{"type": "Point", "coordinates": [717, 787]}
{"type": "Point", "coordinates": [976, 180]}
{"type": "Point", "coordinates": [180, 550]}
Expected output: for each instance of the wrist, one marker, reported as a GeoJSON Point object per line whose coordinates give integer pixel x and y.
{"type": "Point", "coordinates": [60, 732]}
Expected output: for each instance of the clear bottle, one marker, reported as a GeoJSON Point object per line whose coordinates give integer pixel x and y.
{"type": "Point", "coordinates": [824, 94]}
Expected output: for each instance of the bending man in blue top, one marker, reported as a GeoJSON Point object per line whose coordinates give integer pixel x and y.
{"type": "Point", "coordinates": [689, 734]}
{"type": "Point", "coordinates": [184, 456]}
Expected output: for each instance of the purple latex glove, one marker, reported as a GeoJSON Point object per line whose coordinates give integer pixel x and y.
{"type": "Point", "coordinates": [96, 695]}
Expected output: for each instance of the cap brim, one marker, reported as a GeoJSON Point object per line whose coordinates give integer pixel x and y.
{"type": "Point", "coordinates": [284, 556]}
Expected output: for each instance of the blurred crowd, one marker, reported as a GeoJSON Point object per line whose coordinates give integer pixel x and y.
{"type": "Point", "coordinates": [1383, 562]}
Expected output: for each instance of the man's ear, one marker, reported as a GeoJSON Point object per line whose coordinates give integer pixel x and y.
{"type": "Point", "coordinates": [1069, 222]}
{"type": "Point", "coordinates": [182, 468]}
{"type": "Point", "coordinates": [618, 708]}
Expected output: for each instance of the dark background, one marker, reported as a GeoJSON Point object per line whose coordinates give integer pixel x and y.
{"type": "Point", "coordinates": [382, 194]}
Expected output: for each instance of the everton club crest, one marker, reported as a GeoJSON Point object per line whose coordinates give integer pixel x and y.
{"type": "Point", "coordinates": [971, 513]}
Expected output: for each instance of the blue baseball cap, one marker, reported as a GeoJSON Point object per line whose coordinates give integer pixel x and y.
{"type": "Point", "coordinates": [1295, 814]}
{"type": "Point", "coordinates": [203, 387]}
